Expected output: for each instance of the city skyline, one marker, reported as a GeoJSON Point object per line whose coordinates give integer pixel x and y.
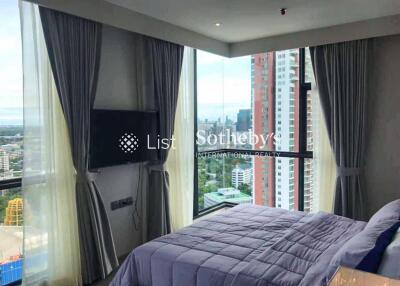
{"type": "Point", "coordinates": [223, 85]}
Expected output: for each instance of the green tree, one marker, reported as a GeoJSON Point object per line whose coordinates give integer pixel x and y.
{"type": "Point", "coordinates": [246, 189]}
{"type": "Point", "coordinates": [3, 205]}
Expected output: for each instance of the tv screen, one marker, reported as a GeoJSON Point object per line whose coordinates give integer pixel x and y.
{"type": "Point", "coordinates": [120, 137]}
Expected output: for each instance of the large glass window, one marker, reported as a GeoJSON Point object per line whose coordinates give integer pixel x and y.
{"type": "Point", "coordinates": [254, 123]}
{"type": "Point", "coordinates": [219, 115]}
{"type": "Point", "coordinates": [11, 143]}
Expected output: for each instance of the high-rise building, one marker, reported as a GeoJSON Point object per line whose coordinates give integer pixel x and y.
{"type": "Point", "coordinates": [241, 175]}
{"type": "Point", "coordinates": [263, 105]}
{"type": "Point", "coordinates": [275, 104]}
{"type": "Point", "coordinates": [243, 121]}
{"type": "Point", "coordinates": [4, 161]}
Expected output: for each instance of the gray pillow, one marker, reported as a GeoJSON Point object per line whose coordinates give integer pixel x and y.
{"type": "Point", "coordinates": [364, 251]}
{"type": "Point", "coordinates": [390, 265]}
{"type": "Point", "coordinates": [389, 211]}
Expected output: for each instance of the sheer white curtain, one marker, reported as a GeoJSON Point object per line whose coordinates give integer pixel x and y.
{"type": "Point", "coordinates": [51, 241]}
{"type": "Point", "coordinates": [324, 160]}
{"type": "Point", "coordinates": [180, 161]}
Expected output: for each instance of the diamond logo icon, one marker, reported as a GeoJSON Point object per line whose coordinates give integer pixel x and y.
{"type": "Point", "coordinates": [128, 143]}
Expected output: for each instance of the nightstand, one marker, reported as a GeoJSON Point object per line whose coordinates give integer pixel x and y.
{"type": "Point", "coordinates": [350, 277]}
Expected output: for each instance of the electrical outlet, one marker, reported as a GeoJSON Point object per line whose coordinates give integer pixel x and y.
{"type": "Point", "coordinates": [121, 203]}
{"type": "Point", "coordinates": [115, 205]}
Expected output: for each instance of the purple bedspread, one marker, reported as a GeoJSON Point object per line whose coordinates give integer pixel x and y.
{"type": "Point", "coordinates": [246, 245]}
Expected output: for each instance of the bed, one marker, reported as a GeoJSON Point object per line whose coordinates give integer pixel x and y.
{"type": "Point", "coordinates": [250, 245]}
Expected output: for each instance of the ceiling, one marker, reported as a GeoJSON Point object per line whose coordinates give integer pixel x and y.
{"type": "Point", "coordinates": [243, 20]}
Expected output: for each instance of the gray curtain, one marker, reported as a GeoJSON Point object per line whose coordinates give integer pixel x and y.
{"type": "Point", "coordinates": [74, 45]}
{"type": "Point", "coordinates": [341, 75]}
{"type": "Point", "coordinates": [165, 60]}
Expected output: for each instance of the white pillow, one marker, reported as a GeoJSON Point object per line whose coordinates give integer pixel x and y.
{"type": "Point", "coordinates": [390, 265]}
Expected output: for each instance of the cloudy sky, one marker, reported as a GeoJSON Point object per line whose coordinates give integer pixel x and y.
{"type": "Point", "coordinates": [224, 85]}
{"type": "Point", "coordinates": [10, 64]}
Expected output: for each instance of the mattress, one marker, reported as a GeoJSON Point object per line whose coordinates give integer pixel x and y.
{"type": "Point", "coordinates": [246, 245]}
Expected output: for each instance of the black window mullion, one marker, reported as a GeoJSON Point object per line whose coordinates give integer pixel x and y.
{"type": "Point", "coordinates": [10, 183]}
{"type": "Point", "coordinates": [302, 129]}
{"type": "Point", "coordinates": [304, 88]}
{"type": "Point", "coordinates": [196, 175]}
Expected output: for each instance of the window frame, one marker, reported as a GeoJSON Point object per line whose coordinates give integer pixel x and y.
{"type": "Point", "coordinates": [301, 155]}
{"type": "Point", "coordinates": [10, 183]}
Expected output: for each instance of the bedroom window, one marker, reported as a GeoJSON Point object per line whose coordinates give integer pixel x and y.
{"type": "Point", "coordinates": [11, 144]}
{"type": "Point", "coordinates": [254, 132]}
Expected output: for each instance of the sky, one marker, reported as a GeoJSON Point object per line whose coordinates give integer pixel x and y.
{"type": "Point", "coordinates": [223, 86]}
{"type": "Point", "coordinates": [10, 64]}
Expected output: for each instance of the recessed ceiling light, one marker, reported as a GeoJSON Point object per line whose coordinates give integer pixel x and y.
{"type": "Point", "coordinates": [217, 24]}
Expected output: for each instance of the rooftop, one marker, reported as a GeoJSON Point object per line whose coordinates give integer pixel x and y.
{"type": "Point", "coordinates": [238, 198]}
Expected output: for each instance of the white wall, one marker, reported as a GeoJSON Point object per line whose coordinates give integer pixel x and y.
{"type": "Point", "coordinates": [116, 183]}
{"type": "Point", "coordinates": [382, 172]}
{"type": "Point", "coordinates": [116, 90]}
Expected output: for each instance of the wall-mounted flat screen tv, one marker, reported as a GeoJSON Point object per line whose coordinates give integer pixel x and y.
{"type": "Point", "coordinates": [120, 137]}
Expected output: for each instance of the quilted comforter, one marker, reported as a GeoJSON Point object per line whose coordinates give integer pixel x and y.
{"type": "Point", "coordinates": [246, 245]}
